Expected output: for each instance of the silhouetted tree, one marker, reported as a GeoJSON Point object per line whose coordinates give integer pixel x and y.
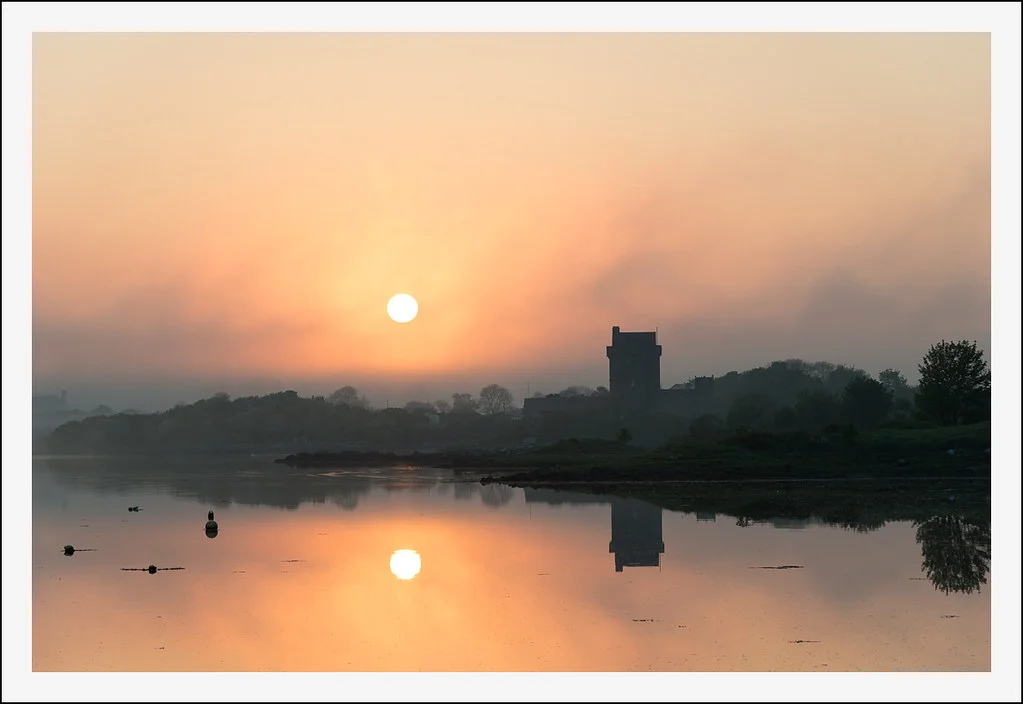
{"type": "Point", "coordinates": [841, 376]}
{"type": "Point", "coordinates": [956, 552]}
{"type": "Point", "coordinates": [864, 525]}
{"type": "Point", "coordinates": [816, 409]}
{"type": "Point", "coordinates": [821, 371]}
{"type": "Point", "coordinates": [624, 436]}
{"type": "Point", "coordinates": [785, 418]}
{"type": "Point", "coordinates": [347, 500]}
{"type": "Point", "coordinates": [495, 399]}
{"type": "Point", "coordinates": [895, 382]}
{"type": "Point", "coordinates": [750, 411]}
{"type": "Point", "coordinates": [442, 406]}
{"type": "Point", "coordinates": [706, 427]}
{"type": "Point", "coordinates": [496, 495]}
{"type": "Point", "coordinates": [955, 384]}
{"type": "Point", "coordinates": [866, 403]}
{"type": "Point", "coordinates": [902, 409]}
{"type": "Point", "coordinates": [348, 396]}
{"type": "Point", "coordinates": [576, 390]}
{"type": "Point", "coordinates": [463, 403]}
{"type": "Point", "coordinates": [420, 407]}
{"type": "Point", "coordinates": [600, 391]}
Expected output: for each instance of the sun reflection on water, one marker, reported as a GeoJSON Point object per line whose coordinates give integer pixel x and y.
{"type": "Point", "coordinates": [405, 564]}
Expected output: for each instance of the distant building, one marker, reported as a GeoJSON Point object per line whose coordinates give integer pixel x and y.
{"type": "Point", "coordinates": [634, 383]}
{"type": "Point", "coordinates": [552, 403]}
{"type": "Point", "coordinates": [703, 516]}
{"type": "Point", "coordinates": [636, 536]}
{"type": "Point", "coordinates": [634, 361]}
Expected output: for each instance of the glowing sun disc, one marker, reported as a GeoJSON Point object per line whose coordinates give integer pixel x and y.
{"type": "Point", "coordinates": [402, 308]}
{"type": "Point", "coordinates": [405, 564]}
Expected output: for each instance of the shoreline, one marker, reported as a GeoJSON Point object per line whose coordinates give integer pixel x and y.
{"type": "Point", "coordinates": [860, 503]}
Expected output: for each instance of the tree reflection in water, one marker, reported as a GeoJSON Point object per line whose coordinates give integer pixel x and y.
{"type": "Point", "coordinates": [956, 552]}
{"type": "Point", "coordinates": [496, 495]}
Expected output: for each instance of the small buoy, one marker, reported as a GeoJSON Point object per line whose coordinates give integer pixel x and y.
{"type": "Point", "coordinates": [69, 549]}
{"type": "Point", "coordinates": [211, 525]}
{"type": "Point", "coordinates": [152, 569]}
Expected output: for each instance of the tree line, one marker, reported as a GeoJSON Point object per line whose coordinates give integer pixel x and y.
{"type": "Point", "coordinates": [954, 388]}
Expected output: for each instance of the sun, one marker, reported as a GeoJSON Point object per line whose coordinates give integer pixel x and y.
{"type": "Point", "coordinates": [402, 308]}
{"type": "Point", "coordinates": [405, 564]}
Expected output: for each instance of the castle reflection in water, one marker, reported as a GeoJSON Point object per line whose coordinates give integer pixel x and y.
{"type": "Point", "coordinates": [636, 535]}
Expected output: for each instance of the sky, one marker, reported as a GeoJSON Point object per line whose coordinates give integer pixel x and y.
{"type": "Point", "coordinates": [232, 212]}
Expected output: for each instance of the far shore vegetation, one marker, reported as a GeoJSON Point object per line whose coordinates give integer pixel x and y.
{"type": "Point", "coordinates": [791, 420]}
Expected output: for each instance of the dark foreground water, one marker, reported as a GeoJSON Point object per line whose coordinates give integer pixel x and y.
{"type": "Point", "coordinates": [408, 570]}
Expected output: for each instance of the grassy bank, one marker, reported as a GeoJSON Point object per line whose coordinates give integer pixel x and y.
{"type": "Point", "coordinates": [857, 480]}
{"type": "Point", "coordinates": [888, 454]}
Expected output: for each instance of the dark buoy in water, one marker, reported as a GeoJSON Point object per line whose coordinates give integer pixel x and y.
{"type": "Point", "coordinates": [211, 526]}
{"type": "Point", "coordinates": [152, 569]}
{"type": "Point", "coordinates": [69, 549]}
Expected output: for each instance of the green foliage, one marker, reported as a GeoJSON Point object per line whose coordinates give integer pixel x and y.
{"type": "Point", "coordinates": [784, 396]}
{"type": "Point", "coordinates": [581, 447]}
{"type": "Point", "coordinates": [706, 427]}
{"type": "Point", "coordinates": [895, 382]}
{"type": "Point", "coordinates": [866, 403]}
{"type": "Point", "coordinates": [850, 435]}
{"type": "Point", "coordinates": [955, 384]}
{"type": "Point", "coordinates": [785, 418]}
{"type": "Point", "coordinates": [278, 421]}
{"type": "Point", "coordinates": [931, 439]}
{"type": "Point", "coordinates": [816, 409]}
{"type": "Point", "coordinates": [769, 442]}
{"type": "Point", "coordinates": [749, 411]}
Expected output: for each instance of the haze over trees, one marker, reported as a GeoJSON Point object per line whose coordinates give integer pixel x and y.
{"type": "Point", "coordinates": [576, 390]}
{"type": "Point", "coordinates": [866, 403]}
{"type": "Point", "coordinates": [786, 396]}
{"type": "Point", "coordinates": [495, 399]}
{"type": "Point", "coordinates": [895, 382]}
{"type": "Point", "coordinates": [463, 403]}
{"type": "Point", "coordinates": [348, 396]}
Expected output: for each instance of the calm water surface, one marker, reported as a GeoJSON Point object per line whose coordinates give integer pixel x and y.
{"type": "Point", "coordinates": [302, 576]}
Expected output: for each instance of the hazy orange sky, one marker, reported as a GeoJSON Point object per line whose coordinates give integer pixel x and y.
{"type": "Point", "coordinates": [234, 211]}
